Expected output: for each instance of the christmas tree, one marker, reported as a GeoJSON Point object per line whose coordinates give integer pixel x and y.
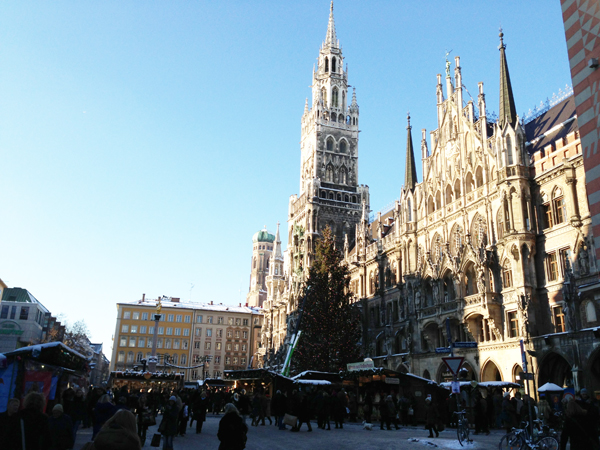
{"type": "Point", "coordinates": [330, 323]}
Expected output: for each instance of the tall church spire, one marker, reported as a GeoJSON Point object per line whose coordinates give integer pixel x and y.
{"type": "Point", "coordinates": [277, 248]}
{"type": "Point", "coordinates": [410, 178]}
{"type": "Point", "coordinates": [331, 39]}
{"type": "Point", "coordinates": [508, 113]}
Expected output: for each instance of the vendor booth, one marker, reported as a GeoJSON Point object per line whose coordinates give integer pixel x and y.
{"type": "Point", "coordinates": [48, 368]}
{"type": "Point", "coordinates": [253, 379]}
{"type": "Point", "coordinates": [144, 381]}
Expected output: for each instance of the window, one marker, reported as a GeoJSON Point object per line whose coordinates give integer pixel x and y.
{"type": "Point", "coordinates": [125, 329]}
{"type": "Point", "coordinates": [208, 332]}
{"type": "Point", "coordinates": [243, 361]}
{"type": "Point", "coordinates": [245, 335]}
{"type": "Point", "coordinates": [235, 360]}
{"type": "Point", "coordinates": [179, 318]}
{"type": "Point", "coordinates": [198, 331]}
{"type": "Point", "coordinates": [132, 341]}
{"type": "Point", "coordinates": [188, 319]}
{"type": "Point", "coordinates": [230, 321]}
{"type": "Point", "coordinates": [559, 206]}
{"type": "Point", "coordinates": [228, 360]}
{"type": "Point", "coordinates": [218, 346]}
{"type": "Point", "coordinates": [238, 322]}
{"type": "Point", "coordinates": [559, 319]}
{"type": "Point", "coordinates": [24, 313]}
{"type": "Point", "coordinates": [552, 264]}
{"type": "Point", "coordinates": [197, 344]}
{"type": "Point", "coordinates": [590, 312]}
{"type": "Point", "coordinates": [150, 330]}
{"type": "Point", "coordinates": [170, 319]}
{"type": "Point", "coordinates": [513, 324]}
{"type": "Point", "coordinates": [547, 214]}
{"type": "Point", "coordinates": [220, 333]}
{"type": "Point", "coordinates": [176, 344]}
{"type": "Point", "coordinates": [4, 314]}
{"type": "Point", "coordinates": [123, 341]}
{"type": "Point", "coordinates": [130, 357]}
{"type": "Point", "coordinates": [183, 359]}
{"type": "Point", "coordinates": [185, 344]}
{"type": "Point", "coordinates": [186, 331]}
{"type": "Point", "coordinates": [229, 334]}
{"type": "Point", "coordinates": [149, 344]}
{"type": "Point", "coordinates": [174, 358]}
{"type": "Point", "coordinates": [134, 328]}
{"type": "Point", "coordinates": [139, 357]}
{"type": "Point", "coordinates": [143, 329]}
{"type": "Point", "coordinates": [198, 319]}
{"type": "Point", "coordinates": [236, 347]}
{"type": "Point", "coordinates": [245, 322]}
{"type": "Point", "coordinates": [507, 275]}
{"type": "Point", "coordinates": [161, 330]}
{"type": "Point", "coordinates": [177, 331]}
{"type": "Point", "coordinates": [159, 343]}
{"type": "Point", "coordinates": [217, 360]}
{"type": "Point", "coordinates": [220, 320]}
{"type": "Point", "coordinates": [207, 345]}
{"type": "Point", "coordinates": [126, 315]}
{"type": "Point", "coordinates": [343, 147]}
{"type": "Point", "coordinates": [144, 316]}
{"type": "Point", "coordinates": [209, 319]}
{"type": "Point", "coordinates": [136, 316]}
{"type": "Point", "coordinates": [244, 347]}
{"type": "Point", "coordinates": [13, 311]}
{"type": "Point", "coordinates": [237, 334]}
{"type": "Point", "coordinates": [565, 257]}
{"type": "Point", "coordinates": [121, 357]}
{"type": "Point", "coordinates": [167, 343]}
{"type": "Point", "coordinates": [228, 347]}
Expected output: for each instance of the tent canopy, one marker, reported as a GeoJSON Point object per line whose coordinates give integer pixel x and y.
{"type": "Point", "coordinates": [550, 387]}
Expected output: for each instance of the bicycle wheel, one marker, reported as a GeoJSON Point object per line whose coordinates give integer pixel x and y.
{"type": "Point", "coordinates": [462, 432]}
{"type": "Point", "coordinates": [510, 441]}
{"type": "Point", "coordinates": [547, 443]}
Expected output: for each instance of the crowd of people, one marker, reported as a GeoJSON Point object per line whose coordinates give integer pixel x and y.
{"type": "Point", "coordinates": [119, 420]}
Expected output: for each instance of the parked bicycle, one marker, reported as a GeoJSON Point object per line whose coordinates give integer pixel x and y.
{"type": "Point", "coordinates": [462, 428]}
{"type": "Point", "coordinates": [520, 439]}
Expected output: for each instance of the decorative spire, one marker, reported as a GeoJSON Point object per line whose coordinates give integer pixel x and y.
{"type": "Point", "coordinates": [354, 104]}
{"type": "Point", "coordinates": [305, 112]}
{"type": "Point", "coordinates": [508, 112]}
{"type": "Point", "coordinates": [410, 178]}
{"type": "Point", "coordinates": [331, 39]}
{"type": "Point", "coordinates": [277, 248]}
{"type": "Point", "coordinates": [364, 211]}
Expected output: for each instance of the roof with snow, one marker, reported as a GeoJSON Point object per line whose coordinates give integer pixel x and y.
{"type": "Point", "coordinates": [196, 306]}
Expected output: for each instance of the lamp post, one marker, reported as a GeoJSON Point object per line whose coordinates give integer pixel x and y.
{"type": "Point", "coordinates": [153, 360]}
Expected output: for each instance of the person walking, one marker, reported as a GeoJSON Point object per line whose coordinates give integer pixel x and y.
{"type": "Point", "coordinates": [303, 413]}
{"type": "Point", "coordinates": [481, 425]}
{"type": "Point", "coordinates": [103, 411]}
{"type": "Point", "coordinates": [31, 431]}
{"type": "Point", "coordinates": [431, 417]}
{"type": "Point", "coordinates": [60, 430]}
{"type": "Point", "coordinates": [199, 409]}
{"type": "Point", "coordinates": [232, 430]}
{"type": "Point", "coordinates": [278, 408]}
{"type": "Point", "coordinates": [168, 425]}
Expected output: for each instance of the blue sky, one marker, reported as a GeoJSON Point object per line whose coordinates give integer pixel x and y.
{"type": "Point", "coordinates": [144, 143]}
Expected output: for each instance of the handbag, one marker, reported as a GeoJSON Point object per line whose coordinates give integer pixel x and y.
{"type": "Point", "coordinates": [155, 440]}
{"type": "Point", "coordinates": [148, 418]}
{"type": "Point", "coordinates": [290, 420]}
{"type": "Point", "coordinates": [163, 426]}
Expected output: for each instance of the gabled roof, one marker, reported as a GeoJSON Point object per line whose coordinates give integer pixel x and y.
{"type": "Point", "coordinates": [554, 124]}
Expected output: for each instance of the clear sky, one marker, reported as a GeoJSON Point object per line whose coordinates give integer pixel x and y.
{"type": "Point", "coordinates": [143, 143]}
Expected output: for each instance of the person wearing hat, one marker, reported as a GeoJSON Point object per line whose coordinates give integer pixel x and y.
{"type": "Point", "coordinates": [168, 425]}
{"type": "Point", "coordinates": [60, 426]}
{"type": "Point", "coordinates": [431, 417]}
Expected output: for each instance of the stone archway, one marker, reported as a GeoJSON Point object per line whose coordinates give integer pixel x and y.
{"type": "Point", "coordinates": [491, 372]}
{"type": "Point", "coordinates": [554, 368]}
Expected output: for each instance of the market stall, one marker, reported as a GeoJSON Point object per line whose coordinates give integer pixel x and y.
{"type": "Point", "coordinates": [48, 368]}
{"type": "Point", "coordinates": [144, 381]}
{"type": "Point", "coordinates": [252, 379]}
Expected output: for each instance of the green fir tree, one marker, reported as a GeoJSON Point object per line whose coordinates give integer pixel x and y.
{"type": "Point", "coordinates": [330, 323]}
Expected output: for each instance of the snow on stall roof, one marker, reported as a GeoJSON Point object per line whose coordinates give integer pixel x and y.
{"type": "Point", "coordinates": [315, 382]}
{"type": "Point", "coordinates": [507, 384]}
{"type": "Point", "coordinates": [308, 372]}
{"type": "Point", "coordinates": [420, 378]}
{"type": "Point", "coordinates": [40, 347]}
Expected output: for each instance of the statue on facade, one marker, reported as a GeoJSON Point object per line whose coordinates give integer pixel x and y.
{"type": "Point", "coordinates": [436, 293]}
{"type": "Point", "coordinates": [583, 259]}
{"type": "Point", "coordinates": [417, 300]}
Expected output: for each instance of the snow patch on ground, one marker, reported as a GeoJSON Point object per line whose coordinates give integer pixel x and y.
{"type": "Point", "coordinates": [452, 444]}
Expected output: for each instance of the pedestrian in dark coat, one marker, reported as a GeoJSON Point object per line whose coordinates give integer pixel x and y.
{"type": "Point", "coordinates": [232, 430]}
{"type": "Point", "coordinates": [509, 413]}
{"type": "Point", "coordinates": [118, 433]}
{"type": "Point", "coordinates": [8, 419]}
{"type": "Point", "coordinates": [103, 411]}
{"type": "Point", "coordinates": [576, 428]}
{"type": "Point", "coordinates": [278, 408]}
{"type": "Point", "coordinates": [34, 422]}
{"type": "Point", "coordinates": [303, 413]}
{"type": "Point", "coordinates": [168, 425]}
{"type": "Point", "coordinates": [431, 417]}
{"type": "Point", "coordinates": [199, 409]}
{"type": "Point", "coordinates": [60, 427]}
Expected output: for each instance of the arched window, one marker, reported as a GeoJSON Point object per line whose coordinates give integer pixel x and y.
{"type": "Point", "coordinates": [130, 357]}
{"type": "Point", "coordinates": [469, 183]}
{"type": "Point", "coordinates": [339, 197]}
{"type": "Point", "coordinates": [326, 64]}
{"type": "Point", "coordinates": [334, 97]}
{"type": "Point", "coordinates": [344, 100]}
{"type": "Point", "coordinates": [341, 118]}
{"type": "Point", "coordinates": [324, 95]}
{"type": "Point", "coordinates": [590, 312]}
{"type": "Point", "coordinates": [323, 194]}
{"type": "Point", "coordinates": [347, 199]}
{"type": "Point", "coordinates": [329, 174]}
{"type": "Point", "coordinates": [330, 144]}
{"type": "Point", "coordinates": [546, 211]}
{"type": "Point", "coordinates": [457, 189]}
{"type": "Point", "coordinates": [509, 152]}
{"type": "Point", "coordinates": [409, 210]}
{"type": "Point", "coordinates": [333, 118]}
{"type": "Point", "coordinates": [500, 223]}
{"type": "Point", "coordinates": [559, 206]}
{"type": "Point", "coordinates": [430, 205]}
{"type": "Point", "coordinates": [333, 64]}
{"type": "Point", "coordinates": [348, 120]}
{"type": "Point", "coordinates": [507, 275]}
{"type": "Point", "coordinates": [139, 357]}
{"type": "Point", "coordinates": [342, 146]}
{"type": "Point", "coordinates": [449, 194]}
{"type": "Point", "coordinates": [479, 177]}
{"type": "Point", "coordinates": [438, 200]}
{"type": "Point", "coordinates": [343, 175]}
{"type": "Point", "coordinates": [175, 358]}
{"type": "Point", "coordinates": [354, 199]}
{"type": "Point", "coordinates": [331, 196]}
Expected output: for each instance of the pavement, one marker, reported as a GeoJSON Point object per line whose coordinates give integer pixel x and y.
{"type": "Point", "coordinates": [352, 436]}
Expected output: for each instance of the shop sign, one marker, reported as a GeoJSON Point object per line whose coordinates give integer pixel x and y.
{"type": "Point", "coordinates": [364, 365]}
{"type": "Point", "coordinates": [389, 380]}
{"type": "Point", "coordinates": [10, 328]}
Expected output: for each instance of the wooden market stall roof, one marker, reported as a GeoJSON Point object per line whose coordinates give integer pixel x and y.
{"type": "Point", "coordinates": [265, 375]}
{"type": "Point", "coordinates": [53, 353]}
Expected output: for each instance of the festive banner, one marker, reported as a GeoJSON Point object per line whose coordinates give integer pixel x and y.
{"type": "Point", "coordinates": [7, 384]}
